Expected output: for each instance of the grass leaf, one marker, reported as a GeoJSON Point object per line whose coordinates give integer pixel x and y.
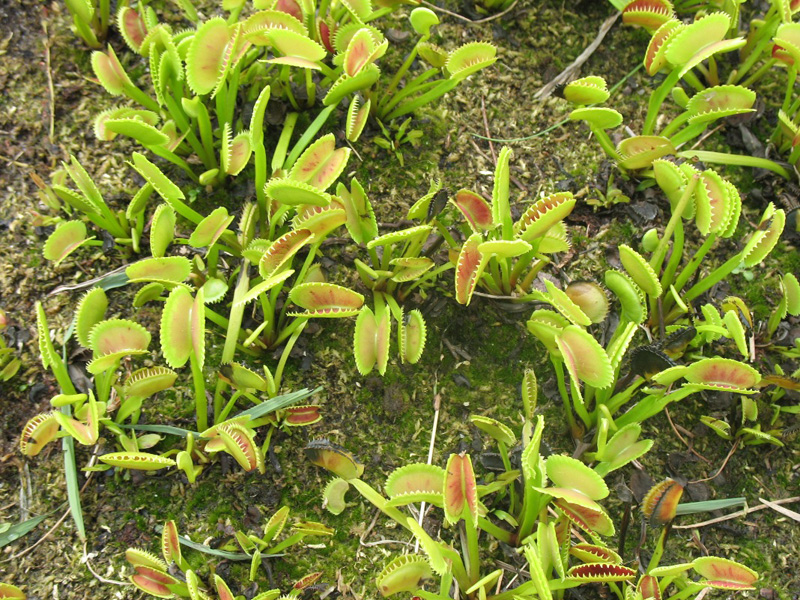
{"type": "Point", "coordinates": [691, 508]}
{"type": "Point", "coordinates": [259, 410]}
{"type": "Point", "coordinates": [235, 556]}
{"type": "Point", "coordinates": [71, 475]}
{"type": "Point", "coordinates": [15, 532]}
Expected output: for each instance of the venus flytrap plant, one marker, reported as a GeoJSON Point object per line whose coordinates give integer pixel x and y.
{"type": "Point", "coordinates": [598, 370]}
{"type": "Point", "coordinates": [299, 194]}
{"type": "Point", "coordinates": [659, 508]}
{"type": "Point", "coordinates": [396, 267]}
{"type": "Point", "coordinates": [394, 102]}
{"type": "Point", "coordinates": [651, 15]}
{"type": "Point", "coordinates": [715, 206]}
{"type": "Point", "coordinates": [402, 136]}
{"type": "Point", "coordinates": [679, 50]}
{"type": "Point", "coordinates": [557, 494]}
{"type": "Point", "coordinates": [172, 576]}
{"type": "Point", "coordinates": [89, 201]}
{"type": "Point", "coordinates": [268, 545]}
{"type": "Point", "coordinates": [125, 227]}
{"type": "Point", "coordinates": [500, 255]}
{"type": "Point", "coordinates": [198, 76]}
{"type": "Point", "coordinates": [182, 339]}
{"type": "Point", "coordinates": [210, 63]}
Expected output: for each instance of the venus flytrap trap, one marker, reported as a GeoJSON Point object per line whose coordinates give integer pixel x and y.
{"type": "Point", "coordinates": [9, 363]}
{"type": "Point", "coordinates": [11, 592]}
{"type": "Point", "coordinates": [789, 303]}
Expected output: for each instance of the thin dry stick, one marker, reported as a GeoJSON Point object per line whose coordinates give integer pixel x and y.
{"type": "Point", "coordinates": [486, 128]}
{"type": "Point", "coordinates": [86, 284]}
{"type": "Point", "coordinates": [703, 593]}
{"type": "Point", "coordinates": [706, 136]}
{"type": "Point", "coordinates": [354, 150]}
{"type": "Point", "coordinates": [569, 72]}
{"type": "Point", "coordinates": [681, 438]}
{"type": "Point", "coordinates": [478, 150]}
{"type": "Point", "coordinates": [740, 513]}
{"type": "Point", "coordinates": [92, 461]}
{"type": "Point", "coordinates": [41, 539]}
{"type": "Point", "coordinates": [465, 19]}
{"type": "Point", "coordinates": [371, 526]}
{"type": "Point", "coordinates": [724, 464]}
{"type": "Point", "coordinates": [437, 403]}
{"type": "Point", "coordinates": [15, 162]}
{"type": "Point", "coordinates": [97, 576]}
{"type": "Point", "coordinates": [784, 511]}
{"type": "Point", "coordinates": [50, 84]}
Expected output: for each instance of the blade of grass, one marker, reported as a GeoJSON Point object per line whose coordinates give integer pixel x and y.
{"type": "Point", "coordinates": [168, 429]}
{"type": "Point", "coordinates": [691, 508]}
{"type": "Point", "coordinates": [71, 475]}
{"type": "Point", "coordinates": [254, 412]}
{"type": "Point", "coordinates": [277, 403]}
{"type": "Point", "coordinates": [15, 532]}
{"type": "Point", "coordinates": [235, 556]}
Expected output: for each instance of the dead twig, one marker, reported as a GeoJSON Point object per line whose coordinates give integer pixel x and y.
{"type": "Point", "coordinates": [486, 128]}
{"type": "Point", "coordinates": [465, 19]}
{"type": "Point", "coordinates": [50, 87]}
{"type": "Point", "coordinates": [86, 284]}
{"type": "Point", "coordinates": [67, 512]}
{"type": "Point", "coordinates": [682, 439]}
{"type": "Point", "coordinates": [354, 150]}
{"type": "Point", "coordinates": [16, 163]}
{"type": "Point", "coordinates": [458, 353]}
{"type": "Point", "coordinates": [724, 464]}
{"type": "Point", "coordinates": [369, 529]}
{"type": "Point", "coordinates": [568, 73]}
{"type": "Point", "coordinates": [705, 136]}
{"type": "Point", "coordinates": [784, 511]}
{"type": "Point", "coordinates": [100, 578]}
{"type": "Point", "coordinates": [479, 151]}
{"type": "Point", "coordinates": [437, 403]}
{"type": "Point", "coordinates": [739, 513]}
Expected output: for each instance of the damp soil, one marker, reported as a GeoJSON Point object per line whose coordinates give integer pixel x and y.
{"type": "Point", "coordinates": [475, 356]}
